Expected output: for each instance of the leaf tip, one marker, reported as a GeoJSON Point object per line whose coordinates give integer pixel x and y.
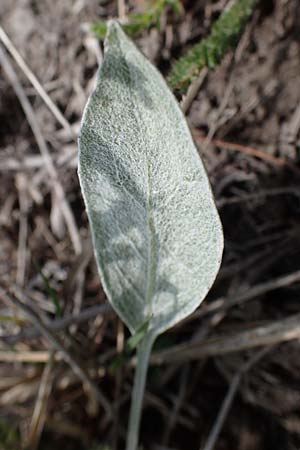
{"type": "Point", "coordinates": [114, 31]}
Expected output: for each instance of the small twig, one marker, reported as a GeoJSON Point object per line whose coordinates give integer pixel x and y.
{"type": "Point", "coordinates": [28, 110]}
{"type": "Point", "coordinates": [36, 356]}
{"type": "Point", "coordinates": [265, 193]}
{"type": "Point", "coordinates": [249, 294]}
{"type": "Point", "coordinates": [43, 328]}
{"type": "Point", "coordinates": [21, 183]}
{"type": "Point", "coordinates": [215, 432]}
{"type": "Point", "coordinates": [61, 324]}
{"type": "Point", "coordinates": [270, 334]}
{"type": "Point", "coordinates": [32, 162]}
{"type": "Point", "coordinates": [35, 83]}
{"type": "Point", "coordinates": [193, 90]}
{"type": "Point", "coordinates": [173, 417]}
{"type": "Point", "coordinates": [226, 405]}
{"type": "Point", "coordinates": [121, 10]}
{"type": "Point", "coordinates": [243, 149]}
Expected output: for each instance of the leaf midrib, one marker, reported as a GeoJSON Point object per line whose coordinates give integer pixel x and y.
{"type": "Point", "coordinates": [152, 246]}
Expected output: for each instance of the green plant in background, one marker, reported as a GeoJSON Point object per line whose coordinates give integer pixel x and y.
{"type": "Point", "coordinates": [207, 53]}
{"type": "Point", "coordinates": [138, 23]}
{"type": "Point", "coordinates": [9, 438]}
{"type": "Point", "coordinates": [210, 51]}
{"type": "Point", "coordinates": [156, 232]}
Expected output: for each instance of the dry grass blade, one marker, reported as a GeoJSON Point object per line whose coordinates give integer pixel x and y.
{"type": "Point", "coordinates": [61, 324]}
{"type": "Point", "coordinates": [42, 327]}
{"type": "Point", "coordinates": [258, 195]}
{"type": "Point", "coordinates": [243, 149]}
{"type": "Point", "coordinates": [269, 334]}
{"type": "Point", "coordinates": [76, 279]}
{"type": "Point", "coordinates": [39, 415]}
{"type": "Point", "coordinates": [35, 83]}
{"type": "Point", "coordinates": [121, 9]}
{"type": "Point", "coordinates": [249, 294]}
{"type": "Point", "coordinates": [21, 182]}
{"type": "Point", "coordinates": [178, 403]}
{"type": "Point", "coordinates": [37, 356]}
{"type": "Point", "coordinates": [193, 90]}
{"type": "Point", "coordinates": [215, 432]}
{"type": "Point", "coordinates": [233, 388]}
{"type": "Point", "coordinates": [19, 393]}
{"type": "Point", "coordinates": [58, 189]}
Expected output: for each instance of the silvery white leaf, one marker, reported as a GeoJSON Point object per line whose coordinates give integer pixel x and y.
{"type": "Point", "coordinates": [157, 235]}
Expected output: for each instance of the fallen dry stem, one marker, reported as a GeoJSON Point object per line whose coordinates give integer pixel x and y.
{"type": "Point", "coordinates": [243, 149]}
{"type": "Point", "coordinates": [226, 405]}
{"type": "Point", "coordinates": [249, 294]}
{"type": "Point", "coordinates": [21, 183]}
{"type": "Point", "coordinates": [43, 328]}
{"type": "Point", "coordinates": [29, 113]}
{"type": "Point", "coordinates": [35, 82]}
{"type": "Point", "coordinates": [122, 9]}
{"type": "Point", "coordinates": [258, 195]}
{"type": "Point", "coordinates": [61, 324]}
{"type": "Point", "coordinates": [193, 90]}
{"type": "Point", "coordinates": [25, 356]}
{"type": "Point", "coordinates": [266, 335]}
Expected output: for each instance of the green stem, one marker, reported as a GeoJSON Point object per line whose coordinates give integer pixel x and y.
{"type": "Point", "coordinates": [143, 355]}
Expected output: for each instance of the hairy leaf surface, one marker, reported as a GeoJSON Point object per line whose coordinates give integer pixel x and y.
{"type": "Point", "coordinates": [156, 231]}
